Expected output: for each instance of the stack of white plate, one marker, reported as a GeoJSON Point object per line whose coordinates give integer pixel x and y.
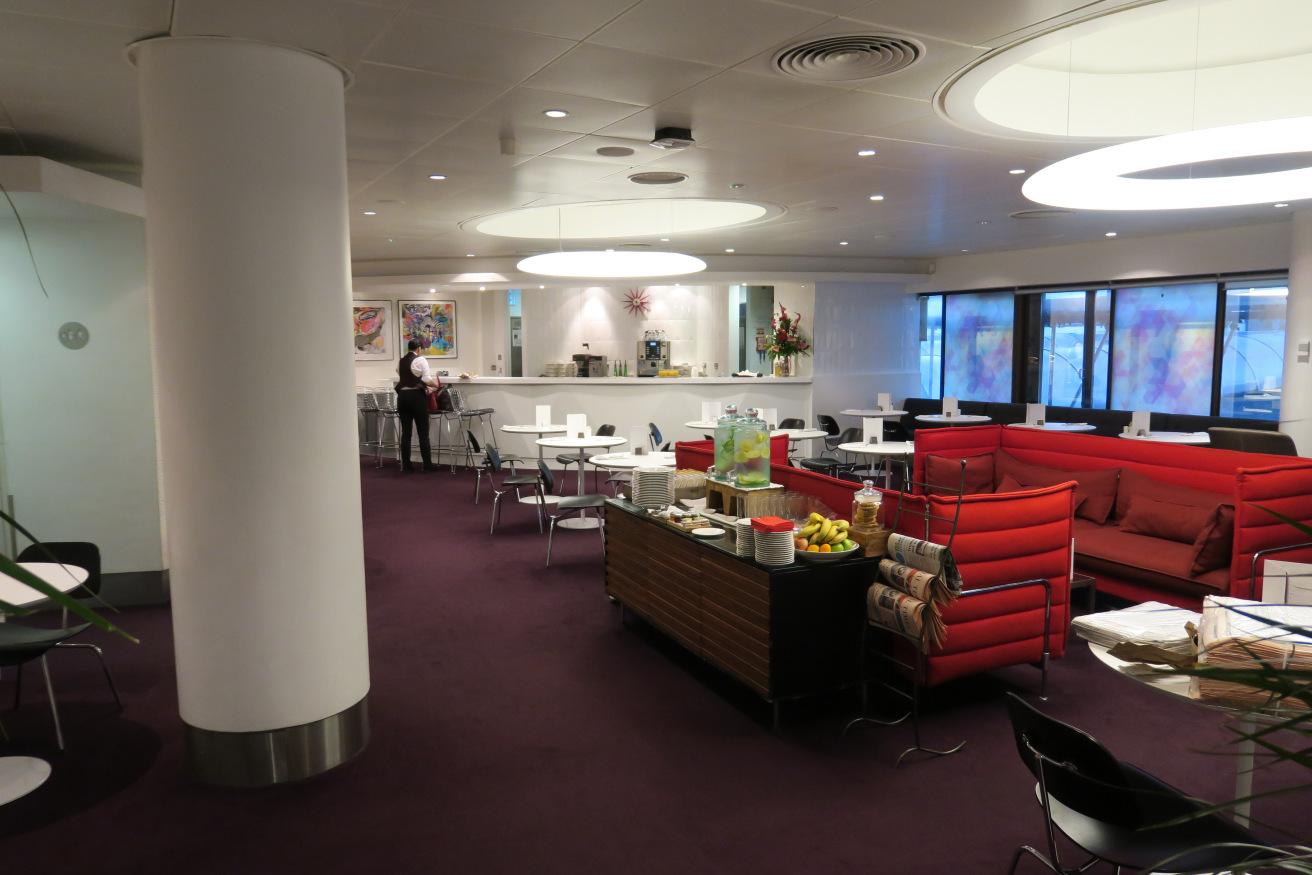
{"type": "Point", "coordinates": [774, 548]}
{"type": "Point", "coordinates": [746, 537]}
{"type": "Point", "coordinates": [652, 487]}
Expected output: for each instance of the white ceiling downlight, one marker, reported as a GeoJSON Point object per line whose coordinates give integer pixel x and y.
{"type": "Point", "coordinates": [848, 58]}
{"type": "Point", "coordinates": [1101, 179]}
{"type": "Point", "coordinates": [603, 220]}
{"type": "Point", "coordinates": [611, 264]}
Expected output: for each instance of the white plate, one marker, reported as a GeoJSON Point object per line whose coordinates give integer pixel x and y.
{"type": "Point", "coordinates": [708, 532]}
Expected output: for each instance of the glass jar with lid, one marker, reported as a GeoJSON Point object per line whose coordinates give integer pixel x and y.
{"type": "Point", "coordinates": [870, 537]}
{"type": "Point", "coordinates": [724, 446]}
{"type": "Point", "coordinates": [751, 450]}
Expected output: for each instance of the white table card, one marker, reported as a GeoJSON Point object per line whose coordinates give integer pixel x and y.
{"type": "Point", "coordinates": [1034, 414]}
{"type": "Point", "coordinates": [872, 430]}
{"type": "Point", "coordinates": [883, 401]}
{"type": "Point", "coordinates": [543, 414]}
{"type": "Point", "coordinates": [1139, 422]}
{"type": "Point", "coordinates": [638, 440]}
{"type": "Point", "coordinates": [949, 406]}
{"type": "Point", "coordinates": [770, 416]}
{"type": "Point", "coordinates": [576, 424]}
{"type": "Point", "coordinates": [709, 412]}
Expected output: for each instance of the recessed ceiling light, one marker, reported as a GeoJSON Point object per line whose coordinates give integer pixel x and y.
{"type": "Point", "coordinates": [541, 287]}
{"type": "Point", "coordinates": [1016, 172]}
{"type": "Point", "coordinates": [665, 239]}
{"type": "Point", "coordinates": [555, 113]}
{"type": "Point", "coordinates": [866, 153]}
{"type": "Point", "coordinates": [984, 222]}
{"type": "Point", "coordinates": [432, 290]}
{"type": "Point", "coordinates": [842, 242]}
{"type": "Point", "coordinates": [876, 197]}
{"type": "Point", "coordinates": [737, 185]}
{"type": "Point", "coordinates": [436, 176]}
{"type": "Point", "coordinates": [965, 250]}
{"type": "Point", "coordinates": [1110, 234]}
{"type": "Point", "coordinates": [728, 250]}
{"type": "Point", "coordinates": [370, 213]}
{"type": "Point", "coordinates": [482, 288]}
{"type": "Point", "coordinates": [1281, 205]}
{"type": "Point", "coordinates": [469, 255]}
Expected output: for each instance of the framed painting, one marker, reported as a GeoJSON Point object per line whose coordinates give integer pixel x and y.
{"type": "Point", "coordinates": [374, 333]}
{"type": "Point", "coordinates": [433, 324]}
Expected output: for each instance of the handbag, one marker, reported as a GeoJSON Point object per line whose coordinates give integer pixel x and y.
{"type": "Point", "coordinates": [432, 402]}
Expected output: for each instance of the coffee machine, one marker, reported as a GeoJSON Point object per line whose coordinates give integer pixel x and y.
{"type": "Point", "coordinates": [590, 365]}
{"type": "Point", "coordinates": [653, 353]}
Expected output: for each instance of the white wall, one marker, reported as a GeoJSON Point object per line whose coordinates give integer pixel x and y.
{"type": "Point", "coordinates": [1230, 250]}
{"type": "Point", "coordinates": [866, 342]}
{"type": "Point", "coordinates": [79, 425]}
{"type": "Point", "coordinates": [470, 332]}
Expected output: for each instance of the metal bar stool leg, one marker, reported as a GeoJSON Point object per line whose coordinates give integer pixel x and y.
{"type": "Point", "coordinates": [54, 709]}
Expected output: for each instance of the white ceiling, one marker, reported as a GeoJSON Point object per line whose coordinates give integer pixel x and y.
{"type": "Point", "coordinates": [440, 84]}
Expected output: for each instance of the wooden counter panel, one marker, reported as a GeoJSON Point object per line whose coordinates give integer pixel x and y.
{"type": "Point", "coordinates": [719, 634]}
{"type": "Point", "coordinates": [751, 610]}
{"type": "Point", "coordinates": [675, 623]}
{"type": "Point", "coordinates": [758, 631]}
{"type": "Point", "coordinates": [732, 663]}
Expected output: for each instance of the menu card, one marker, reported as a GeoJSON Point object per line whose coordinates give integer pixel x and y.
{"type": "Point", "coordinates": [576, 425]}
{"type": "Point", "coordinates": [708, 411]}
{"type": "Point", "coordinates": [883, 401]}
{"type": "Point", "coordinates": [949, 406]}
{"type": "Point", "coordinates": [638, 440]}
{"type": "Point", "coordinates": [872, 430]}
{"type": "Point", "coordinates": [770, 416]}
{"type": "Point", "coordinates": [543, 415]}
{"type": "Point", "coordinates": [1139, 422]}
{"type": "Point", "coordinates": [1034, 414]}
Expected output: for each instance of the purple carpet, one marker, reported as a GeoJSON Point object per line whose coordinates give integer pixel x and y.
{"type": "Point", "coordinates": [519, 727]}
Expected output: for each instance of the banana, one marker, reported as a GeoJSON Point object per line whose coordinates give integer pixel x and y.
{"type": "Point", "coordinates": [836, 535]}
{"type": "Point", "coordinates": [809, 530]}
{"type": "Point", "coordinates": [826, 529]}
{"type": "Point", "coordinates": [815, 537]}
{"type": "Point", "coordinates": [816, 518]}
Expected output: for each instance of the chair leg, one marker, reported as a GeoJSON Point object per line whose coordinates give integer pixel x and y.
{"type": "Point", "coordinates": [550, 532]}
{"type": "Point", "coordinates": [542, 504]}
{"type": "Point", "coordinates": [478, 483]}
{"type": "Point", "coordinates": [496, 510]}
{"type": "Point", "coordinates": [18, 683]}
{"type": "Point", "coordinates": [104, 666]}
{"type": "Point", "coordinates": [54, 709]}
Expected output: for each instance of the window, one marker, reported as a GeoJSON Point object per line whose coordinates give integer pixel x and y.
{"type": "Point", "coordinates": [1071, 370]}
{"type": "Point", "coordinates": [1253, 349]}
{"type": "Point", "coordinates": [1163, 347]}
{"type": "Point", "coordinates": [931, 346]}
{"type": "Point", "coordinates": [977, 345]}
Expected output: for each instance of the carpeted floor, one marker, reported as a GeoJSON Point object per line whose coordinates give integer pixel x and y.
{"type": "Point", "coordinates": [518, 727]}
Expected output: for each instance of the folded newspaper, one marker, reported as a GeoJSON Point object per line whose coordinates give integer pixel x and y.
{"type": "Point", "coordinates": [1237, 633]}
{"type": "Point", "coordinates": [920, 577]}
{"type": "Point", "coordinates": [1151, 624]}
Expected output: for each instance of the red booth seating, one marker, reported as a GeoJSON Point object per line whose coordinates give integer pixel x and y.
{"type": "Point", "coordinates": [1030, 539]}
{"type": "Point", "coordinates": [1152, 520]}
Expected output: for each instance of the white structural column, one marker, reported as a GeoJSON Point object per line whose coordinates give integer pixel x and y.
{"type": "Point", "coordinates": [248, 250]}
{"type": "Point", "coordinates": [1296, 396]}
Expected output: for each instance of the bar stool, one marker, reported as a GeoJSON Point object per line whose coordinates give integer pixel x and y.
{"type": "Point", "coordinates": [469, 414]}
{"type": "Point", "coordinates": [367, 410]}
{"type": "Point", "coordinates": [385, 402]}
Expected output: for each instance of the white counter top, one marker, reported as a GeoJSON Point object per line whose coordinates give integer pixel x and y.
{"type": "Point", "coordinates": [623, 381]}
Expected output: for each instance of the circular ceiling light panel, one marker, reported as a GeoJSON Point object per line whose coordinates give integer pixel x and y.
{"type": "Point", "coordinates": [1103, 179]}
{"type": "Point", "coordinates": [603, 220]}
{"type": "Point", "coordinates": [658, 177]}
{"type": "Point", "coordinates": [848, 58]}
{"type": "Point", "coordinates": [1153, 69]}
{"type": "Point", "coordinates": [611, 264]}
{"type": "Point", "coordinates": [615, 151]}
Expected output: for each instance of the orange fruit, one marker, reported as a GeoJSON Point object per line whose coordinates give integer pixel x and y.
{"type": "Point", "coordinates": [813, 548]}
{"type": "Point", "coordinates": [825, 548]}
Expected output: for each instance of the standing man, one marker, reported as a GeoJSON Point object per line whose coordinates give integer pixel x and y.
{"type": "Point", "coordinates": [412, 405]}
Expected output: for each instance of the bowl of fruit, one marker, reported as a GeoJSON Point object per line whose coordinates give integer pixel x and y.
{"type": "Point", "coordinates": [823, 540]}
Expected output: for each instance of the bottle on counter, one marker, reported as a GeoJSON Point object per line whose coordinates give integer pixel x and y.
{"type": "Point", "coordinates": [724, 448]}
{"type": "Point", "coordinates": [870, 537]}
{"type": "Point", "coordinates": [751, 450]}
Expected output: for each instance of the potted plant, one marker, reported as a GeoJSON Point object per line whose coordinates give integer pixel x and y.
{"type": "Point", "coordinates": [786, 341]}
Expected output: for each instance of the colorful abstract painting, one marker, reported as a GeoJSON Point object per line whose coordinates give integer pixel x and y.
{"type": "Point", "coordinates": [433, 324]}
{"type": "Point", "coordinates": [977, 346]}
{"type": "Point", "coordinates": [373, 330]}
{"type": "Point", "coordinates": [1162, 348]}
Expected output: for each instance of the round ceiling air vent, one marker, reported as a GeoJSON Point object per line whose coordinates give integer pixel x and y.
{"type": "Point", "coordinates": [615, 151]}
{"type": "Point", "coordinates": [664, 177]}
{"type": "Point", "coordinates": [847, 58]}
{"type": "Point", "coordinates": [1041, 214]}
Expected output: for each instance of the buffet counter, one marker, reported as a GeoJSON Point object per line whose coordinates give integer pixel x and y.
{"type": "Point", "coordinates": [784, 631]}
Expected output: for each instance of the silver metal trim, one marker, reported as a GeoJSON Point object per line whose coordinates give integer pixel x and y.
{"type": "Point", "coordinates": [277, 756]}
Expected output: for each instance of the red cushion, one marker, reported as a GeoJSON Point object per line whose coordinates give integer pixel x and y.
{"type": "Point", "coordinates": [1213, 545]}
{"type": "Point", "coordinates": [1011, 484]}
{"type": "Point", "coordinates": [1161, 519]}
{"type": "Point", "coordinates": [944, 472]}
{"type": "Point", "coordinates": [1133, 483]}
{"type": "Point", "coordinates": [1097, 488]}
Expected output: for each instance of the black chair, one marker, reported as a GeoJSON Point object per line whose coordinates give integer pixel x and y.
{"type": "Point", "coordinates": [82, 554]}
{"type": "Point", "coordinates": [21, 644]}
{"type": "Point", "coordinates": [830, 426]}
{"type": "Point", "coordinates": [509, 482]}
{"type": "Point", "coordinates": [1116, 812]}
{"type": "Point", "coordinates": [1252, 440]}
{"type": "Point", "coordinates": [486, 468]}
{"type": "Point", "coordinates": [581, 457]}
{"type": "Point", "coordinates": [829, 463]}
{"type": "Point", "coordinates": [792, 422]}
{"type": "Point", "coordinates": [654, 436]}
{"type": "Point", "coordinates": [570, 504]}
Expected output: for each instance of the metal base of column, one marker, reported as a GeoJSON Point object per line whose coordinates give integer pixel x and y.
{"type": "Point", "coordinates": [277, 756]}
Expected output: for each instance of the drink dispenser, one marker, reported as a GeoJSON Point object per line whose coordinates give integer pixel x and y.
{"type": "Point", "coordinates": [751, 450]}
{"type": "Point", "coordinates": [724, 441]}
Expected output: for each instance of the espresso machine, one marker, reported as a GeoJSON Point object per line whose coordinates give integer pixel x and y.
{"type": "Point", "coordinates": [653, 353]}
{"type": "Point", "coordinates": [590, 366]}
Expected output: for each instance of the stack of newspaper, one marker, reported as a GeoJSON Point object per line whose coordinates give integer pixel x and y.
{"type": "Point", "coordinates": [1237, 633]}
{"type": "Point", "coordinates": [920, 577]}
{"type": "Point", "coordinates": [1151, 624]}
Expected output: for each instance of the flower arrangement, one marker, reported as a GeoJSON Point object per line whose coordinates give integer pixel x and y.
{"type": "Point", "coordinates": [786, 338]}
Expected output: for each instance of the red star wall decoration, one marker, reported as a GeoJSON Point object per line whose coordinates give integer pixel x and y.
{"type": "Point", "coordinates": [637, 302]}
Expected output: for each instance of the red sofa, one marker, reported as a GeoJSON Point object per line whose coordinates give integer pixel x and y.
{"type": "Point", "coordinates": [1159, 493]}
{"type": "Point", "coordinates": [995, 629]}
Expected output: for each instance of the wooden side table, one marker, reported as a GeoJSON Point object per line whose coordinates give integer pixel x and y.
{"type": "Point", "coordinates": [733, 501]}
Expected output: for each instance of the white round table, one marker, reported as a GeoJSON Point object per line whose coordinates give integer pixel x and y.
{"type": "Point", "coordinates": [1171, 437]}
{"type": "Point", "coordinates": [1056, 426]}
{"type": "Point", "coordinates": [959, 419]}
{"type": "Point", "coordinates": [872, 414]}
{"type": "Point", "coordinates": [885, 450]}
{"type": "Point", "coordinates": [62, 577]}
{"type": "Point", "coordinates": [702, 425]}
{"type": "Point", "coordinates": [533, 429]}
{"type": "Point", "coordinates": [20, 776]}
{"type": "Point", "coordinates": [629, 460]}
{"type": "Point", "coordinates": [566, 442]}
{"type": "Point", "coordinates": [800, 434]}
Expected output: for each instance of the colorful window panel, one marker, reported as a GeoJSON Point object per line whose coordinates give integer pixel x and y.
{"type": "Point", "coordinates": [977, 346]}
{"type": "Point", "coordinates": [1163, 347]}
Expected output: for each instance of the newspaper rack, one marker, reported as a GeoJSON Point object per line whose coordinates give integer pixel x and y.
{"type": "Point", "coordinates": [918, 667]}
